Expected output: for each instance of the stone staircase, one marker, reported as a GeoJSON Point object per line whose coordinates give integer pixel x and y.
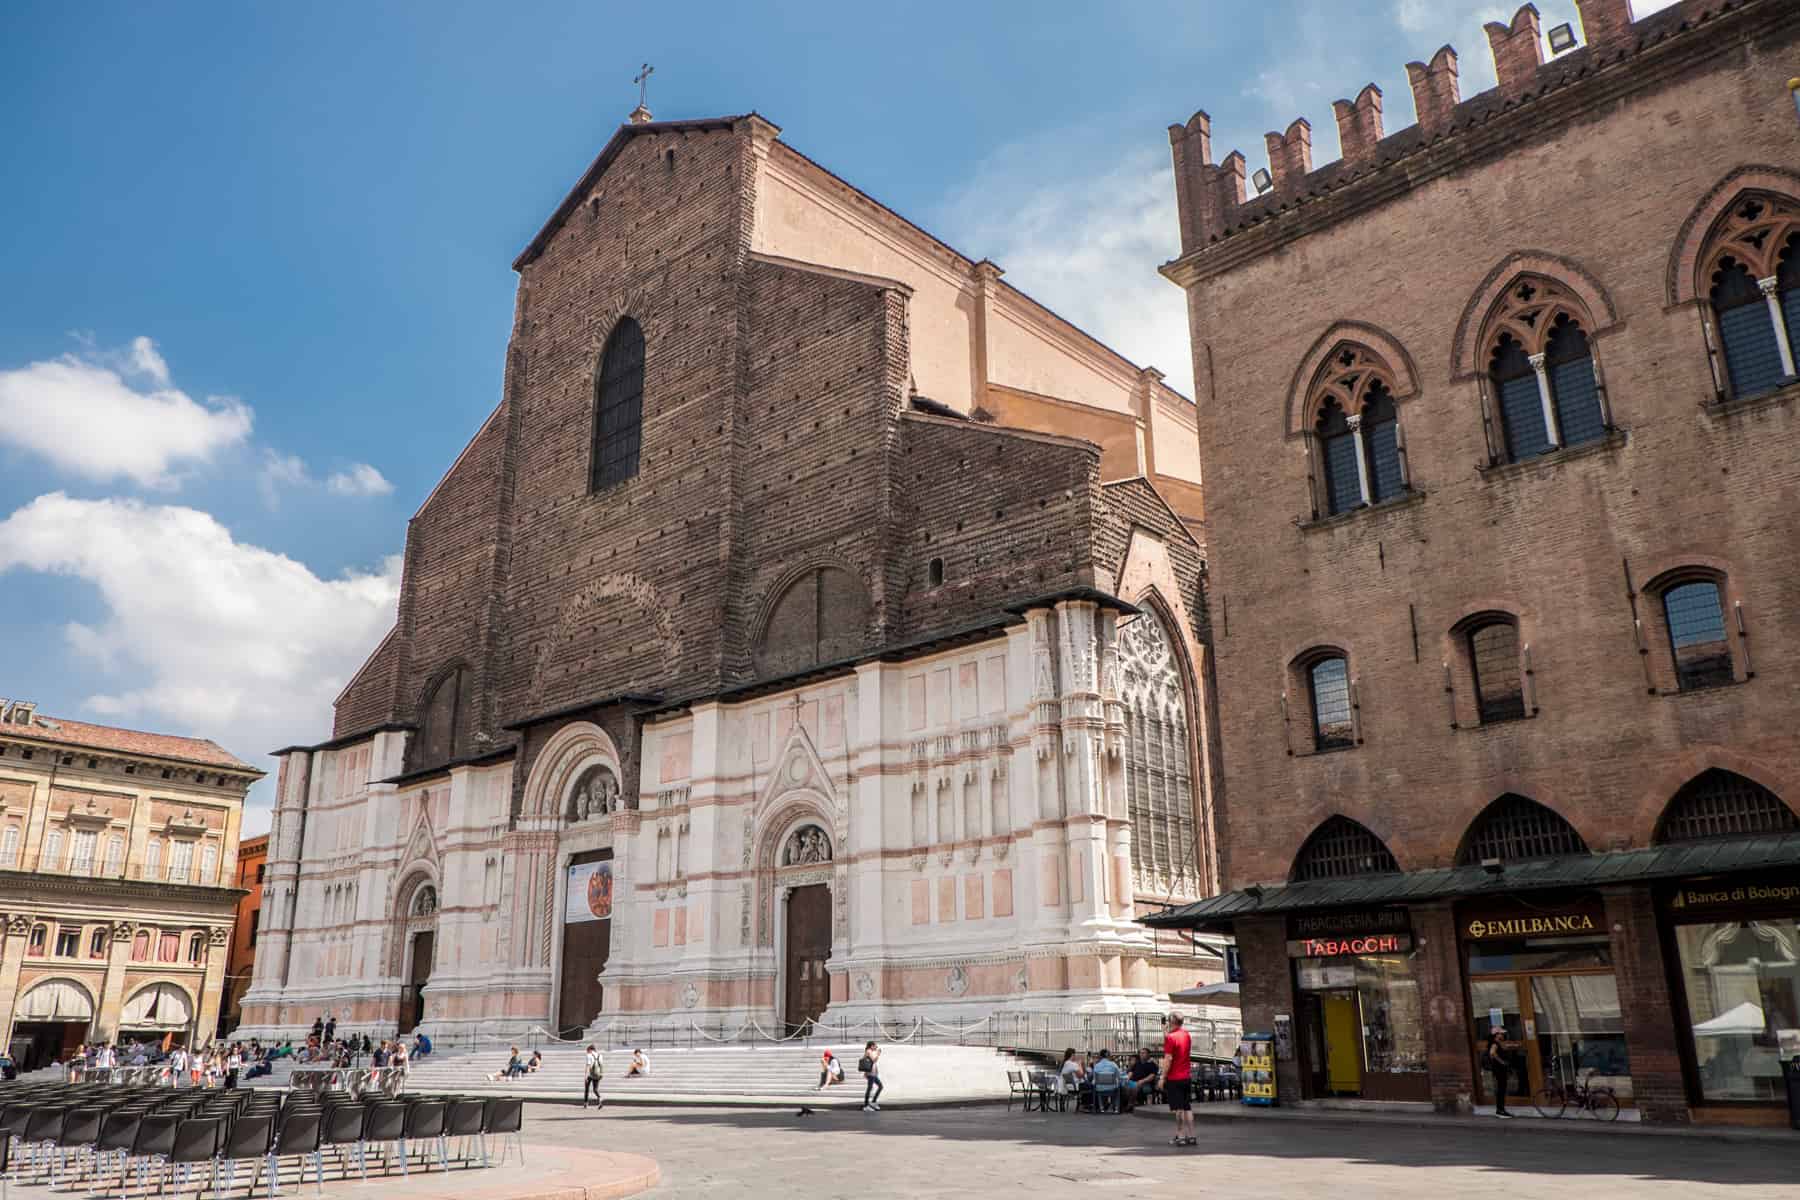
{"type": "Point", "coordinates": [733, 1074]}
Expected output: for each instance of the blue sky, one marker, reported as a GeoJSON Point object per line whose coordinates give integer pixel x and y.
{"type": "Point", "coordinates": [257, 281]}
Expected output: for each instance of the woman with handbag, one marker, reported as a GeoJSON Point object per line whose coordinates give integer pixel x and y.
{"type": "Point", "coordinates": [870, 1066]}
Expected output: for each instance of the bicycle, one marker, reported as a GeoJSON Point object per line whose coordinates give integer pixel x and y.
{"type": "Point", "coordinates": [1552, 1100]}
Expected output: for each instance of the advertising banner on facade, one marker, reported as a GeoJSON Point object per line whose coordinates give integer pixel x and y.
{"type": "Point", "coordinates": [590, 893]}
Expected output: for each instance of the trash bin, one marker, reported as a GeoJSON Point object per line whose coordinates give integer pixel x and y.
{"type": "Point", "coordinates": [1793, 1091]}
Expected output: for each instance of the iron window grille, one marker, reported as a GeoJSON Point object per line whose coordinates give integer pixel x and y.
{"type": "Point", "coordinates": [1722, 804]}
{"type": "Point", "coordinates": [1340, 849]}
{"type": "Point", "coordinates": [1514, 829]}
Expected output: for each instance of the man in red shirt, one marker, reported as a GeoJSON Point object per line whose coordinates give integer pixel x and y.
{"type": "Point", "coordinates": [1177, 1080]}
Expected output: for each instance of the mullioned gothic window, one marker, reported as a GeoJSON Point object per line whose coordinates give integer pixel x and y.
{"type": "Point", "coordinates": [1159, 784]}
{"type": "Point", "coordinates": [1752, 273]}
{"type": "Point", "coordinates": [618, 407]}
{"type": "Point", "coordinates": [1541, 369]}
{"type": "Point", "coordinates": [1359, 450]}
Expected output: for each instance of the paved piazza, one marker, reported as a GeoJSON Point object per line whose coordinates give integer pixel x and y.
{"type": "Point", "coordinates": [989, 1151]}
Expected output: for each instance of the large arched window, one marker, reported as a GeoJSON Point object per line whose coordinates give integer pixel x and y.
{"type": "Point", "coordinates": [822, 616]}
{"type": "Point", "coordinates": [1752, 275]}
{"type": "Point", "coordinates": [1541, 368]}
{"type": "Point", "coordinates": [1361, 454]}
{"type": "Point", "coordinates": [1513, 829]}
{"type": "Point", "coordinates": [618, 407]}
{"type": "Point", "coordinates": [1341, 848]}
{"type": "Point", "coordinates": [1722, 804]}
{"type": "Point", "coordinates": [1159, 783]}
{"type": "Point", "coordinates": [440, 736]}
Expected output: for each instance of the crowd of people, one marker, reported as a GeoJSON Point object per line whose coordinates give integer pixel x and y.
{"type": "Point", "coordinates": [218, 1064]}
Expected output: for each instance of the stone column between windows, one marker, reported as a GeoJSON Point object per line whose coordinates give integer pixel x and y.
{"type": "Point", "coordinates": [1543, 381]}
{"type": "Point", "coordinates": [1354, 420]}
{"type": "Point", "coordinates": [1771, 295]}
{"type": "Point", "coordinates": [110, 1011]}
{"type": "Point", "coordinates": [212, 984]}
{"type": "Point", "coordinates": [18, 927]}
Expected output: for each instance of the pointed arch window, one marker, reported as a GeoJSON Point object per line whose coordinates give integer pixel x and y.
{"type": "Point", "coordinates": [618, 407]}
{"type": "Point", "coordinates": [1723, 804]}
{"type": "Point", "coordinates": [822, 616]}
{"type": "Point", "coordinates": [1341, 849]}
{"type": "Point", "coordinates": [1361, 453]}
{"type": "Point", "coordinates": [441, 720]}
{"type": "Point", "coordinates": [1752, 278]}
{"type": "Point", "coordinates": [1515, 829]}
{"type": "Point", "coordinates": [1541, 368]}
{"type": "Point", "coordinates": [1159, 785]}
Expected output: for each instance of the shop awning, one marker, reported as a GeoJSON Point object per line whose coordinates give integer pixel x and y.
{"type": "Point", "coordinates": [1225, 994]}
{"type": "Point", "coordinates": [1569, 871]}
{"type": "Point", "coordinates": [1746, 1018]}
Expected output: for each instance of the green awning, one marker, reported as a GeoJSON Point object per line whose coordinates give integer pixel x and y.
{"type": "Point", "coordinates": [1569, 871]}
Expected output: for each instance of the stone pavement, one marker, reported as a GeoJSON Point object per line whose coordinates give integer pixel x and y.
{"type": "Point", "coordinates": [989, 1151]}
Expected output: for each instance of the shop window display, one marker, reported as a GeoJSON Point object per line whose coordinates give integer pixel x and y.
{"type": "Point", "coordinates": [1743, 995]}
{"type": "Point", "coordinates": [1370, 1024]}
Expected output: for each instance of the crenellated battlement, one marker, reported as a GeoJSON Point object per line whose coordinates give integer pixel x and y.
{"type": "Point", "coordinates": [1451, 132]}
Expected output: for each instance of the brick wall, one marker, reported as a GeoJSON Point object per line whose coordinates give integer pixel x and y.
{"type": "Point", "coordinates": [1645, 1001]}
{"type": "Point", "coordinates": [1605, 192]}
{"type": "Point", "coordinates": [1011, 514]}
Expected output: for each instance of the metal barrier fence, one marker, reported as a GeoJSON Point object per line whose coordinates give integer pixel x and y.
{"type": "Point", "coordinates": [1047, 1033]}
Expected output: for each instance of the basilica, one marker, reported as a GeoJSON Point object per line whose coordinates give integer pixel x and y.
{"type": "Point", "coordinates": [817, 628]}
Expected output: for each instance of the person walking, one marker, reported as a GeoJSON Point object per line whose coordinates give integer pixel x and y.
{"type": "Point", "coordinates": [870, 1066]}
{"type": "Point", "coordinates": [1497, 1065]}
{"type": "Point", "coordinates": [1177, 1076]}
{"type": "Point", "coordinates": [596, 1070]}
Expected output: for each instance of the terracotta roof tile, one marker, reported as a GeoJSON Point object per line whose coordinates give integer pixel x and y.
{"type": "Point", "coordinates": [127, 741]}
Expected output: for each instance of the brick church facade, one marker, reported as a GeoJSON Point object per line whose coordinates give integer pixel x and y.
{"type": "Point", "coordinates": [1504, 574]}
{"type": "Point", "coordinates": [815, 629]}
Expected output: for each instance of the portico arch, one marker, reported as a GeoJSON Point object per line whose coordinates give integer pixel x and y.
{"type": "Point", "coordinates": [567, 760]}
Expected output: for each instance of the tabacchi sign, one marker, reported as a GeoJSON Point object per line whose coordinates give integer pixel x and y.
{"type": "Point", "coordinates": [1340, 947]}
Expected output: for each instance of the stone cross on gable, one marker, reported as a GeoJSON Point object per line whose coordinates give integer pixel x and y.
{"type": "Point", "coordinates": [641, 113]}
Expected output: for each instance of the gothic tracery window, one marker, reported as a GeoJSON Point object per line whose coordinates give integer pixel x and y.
{"type": "Point", "coordinates": [1159, 785]}
{"type": "Point", "coordinates": [1541, 369]}
{"type": "Point", "coordinates": [1752, 278]}
{"type": "Point", "coordinates": [1356, 428]}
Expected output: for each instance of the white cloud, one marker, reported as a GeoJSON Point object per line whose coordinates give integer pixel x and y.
{"type": "Point", "coordinates": [115, 416]}
{"type": "Point", "coordinates": [203, 634]}
{"type": "Point", "coordinates": [280, 471]}
{"type": "Point", "coordinates": [1086, 243]}
{"type": "Point", "coordinates": [360, 479]}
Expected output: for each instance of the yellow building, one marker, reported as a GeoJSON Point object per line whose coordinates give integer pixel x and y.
{"type": "Point", "coordinates": [118, 856]}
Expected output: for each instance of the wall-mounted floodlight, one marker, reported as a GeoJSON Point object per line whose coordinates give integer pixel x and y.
{"type": "Point", "coordinates": [1562, 38]}
{"type": "Point", "coordinates": [1261, 180]}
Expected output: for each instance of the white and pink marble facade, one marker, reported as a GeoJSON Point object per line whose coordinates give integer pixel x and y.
{"type": "Point", "coordinates": [974, 802]}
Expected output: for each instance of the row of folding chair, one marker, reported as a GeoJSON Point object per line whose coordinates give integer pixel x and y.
{"type": "Point", "coordinates": [155, 1134]}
